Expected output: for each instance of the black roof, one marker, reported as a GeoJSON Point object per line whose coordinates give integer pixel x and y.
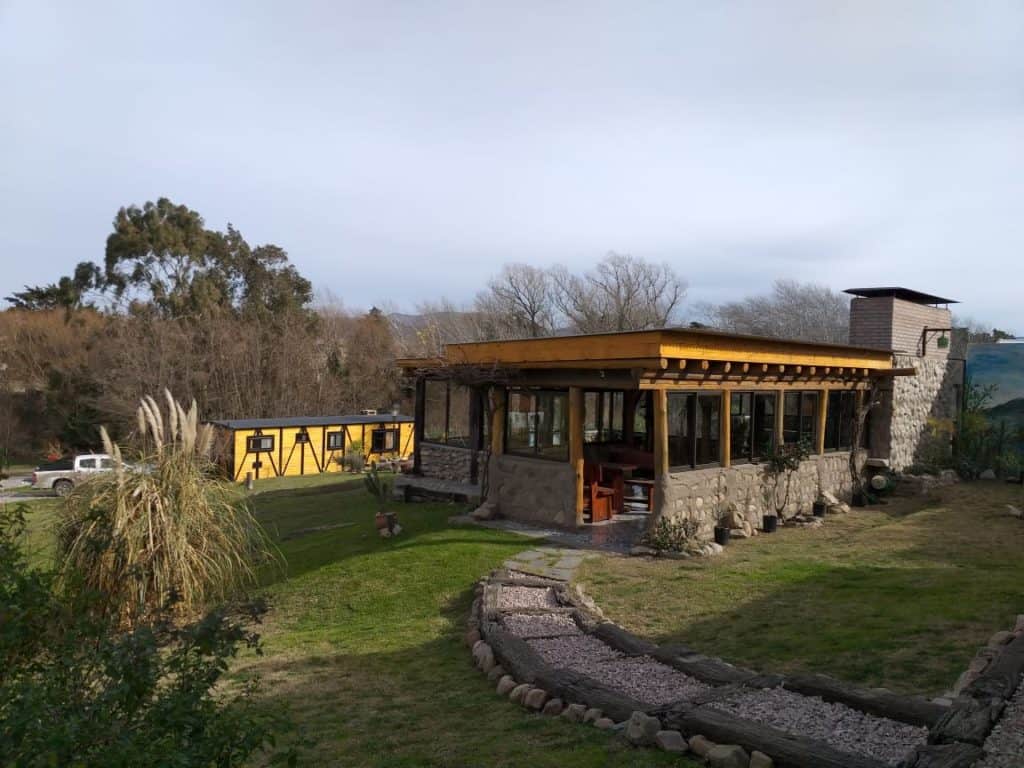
{"type": "Point", "coordinates": [312, 421]}
{"type": "Point", "coordinates": [900, 293]}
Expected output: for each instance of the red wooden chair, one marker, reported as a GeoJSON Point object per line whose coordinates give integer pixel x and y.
{"type": "Point", "coordinates": [599, 497]}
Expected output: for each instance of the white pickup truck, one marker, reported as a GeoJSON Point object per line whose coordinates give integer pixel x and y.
{"type": "Point", "coordinates": [64, 474]}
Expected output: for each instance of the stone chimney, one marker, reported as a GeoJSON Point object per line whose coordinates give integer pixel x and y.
{"type": "Point", "coordinates": [910, 424]}
{"type": "Point", "coordinates": [900, 320]}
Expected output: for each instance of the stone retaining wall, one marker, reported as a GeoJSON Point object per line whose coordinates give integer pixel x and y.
{"type": "Point", "coordinates": [702, 494]}
{"type": "Point", "coordinates": [533, 490]}
{"type": "Point", "coordinates": [447, 462]}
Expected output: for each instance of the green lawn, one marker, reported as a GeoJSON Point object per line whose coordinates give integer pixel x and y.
{"type": "Point", "coordinates": [899, 596]}
{"type": "Point", "coordinates": [363, 643]}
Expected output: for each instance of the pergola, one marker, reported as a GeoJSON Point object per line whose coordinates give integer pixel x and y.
{"type": "Point", "coordinates": [661, 361]}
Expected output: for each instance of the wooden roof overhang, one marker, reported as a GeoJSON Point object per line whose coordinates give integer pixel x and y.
{"type": "Point", "coordinates": [670, 358]}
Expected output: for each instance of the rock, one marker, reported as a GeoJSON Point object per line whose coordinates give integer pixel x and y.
{"type": "Point", "coordinates": [1018, 628]}
{"type": "Point", "coordinates": [728, 756]}
{"type": "Point", "coordinates": [711, 549]}
{"type": "Point", "coordinates": [670, 555]}
{"type": "Point", "coordinates": [749, 529]}
{"type": "Point", "coordinates": [988, 474]}
{"type": "Point", "coordinates": [553, 708]}
{"type": "Point", "coordinates": [1014, 511]}
{"type": "Point", "coordinates": [574, 712]}
{"type": "Point", "coordinates": [535, 699]}
{"type": "Point", "coordinates": [505, 685]}
{"type": "Point", "coordinates": [641, 728]}
{"type": "Point", "coordinates": [519, 691]}
{"type": "Point", "coordinates": [738, 533]}
{"type": "Point", "coordinates": [486, 511]}
{"type": "Point", "coordinates": [472, 637]}
{"type": "Point", "coordinates": [484, 656]}
{"type": "Point", "coordinates": [604, 723]}
{"type": "Point", "coordinates": [700, 746]}
{"type": "Point", "coordinates": [641, 551]}
{"type": "Point", "coordinates": [1000, 639]}
{"type": "Point", "coordinates": [592, 714]}
{"type": "Point", "coordinates": [496, 673]}
{"type": "Point", "coordinates": [830, 498]}
{"type": "Point", "coordinates": [671, 741]}
{"type": "Point", "coordinates": [760, 760]}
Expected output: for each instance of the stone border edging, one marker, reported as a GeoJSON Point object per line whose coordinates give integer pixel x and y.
{"type": "Point", "coordinates": [957, 732]}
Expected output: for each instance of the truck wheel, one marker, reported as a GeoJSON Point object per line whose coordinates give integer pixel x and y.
{"type": "Point", "coordinates": [62, 487]}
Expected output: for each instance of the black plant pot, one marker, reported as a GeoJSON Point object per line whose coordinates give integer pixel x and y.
{"type": "Point", "coordinates": [721, 535]}
{"type": "Point", "coordinates": [819, 508]}
{"type": "Point", "coordinates": [770, 523]}
{"type": "Point", "coordinates": [860, 499]}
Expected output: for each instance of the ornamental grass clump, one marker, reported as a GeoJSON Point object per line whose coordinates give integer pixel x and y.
{"type": "Point", "coordinates": [160, 531]}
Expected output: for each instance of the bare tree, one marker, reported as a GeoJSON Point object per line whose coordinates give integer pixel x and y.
{"type": "Point", "coordinates": [621, 293]}
{"type": "Point", "coordinates": [793, 310]}
{"type": "Point", "coordinates": [517, 303]}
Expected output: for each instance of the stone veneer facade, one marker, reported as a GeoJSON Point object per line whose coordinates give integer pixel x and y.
{"type": "Point", "coordinates": [704, 494]}
{"type": "Point", "coordinates": [448, 462]}
{"type": "Point", "coordinates": [533, 490]}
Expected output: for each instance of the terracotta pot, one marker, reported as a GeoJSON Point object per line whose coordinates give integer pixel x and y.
{"type": "Point", "coordinates": [381, 521]}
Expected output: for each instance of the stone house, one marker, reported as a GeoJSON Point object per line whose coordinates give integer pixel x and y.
{"type": "Point", "coordinates": [570, 430]}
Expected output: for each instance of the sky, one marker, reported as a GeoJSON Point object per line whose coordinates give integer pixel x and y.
{"type": "Point", "coordinates": [402, 152]}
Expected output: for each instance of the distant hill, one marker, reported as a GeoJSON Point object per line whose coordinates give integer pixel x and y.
{"type": "Point", "coordinates": [1012, 412]}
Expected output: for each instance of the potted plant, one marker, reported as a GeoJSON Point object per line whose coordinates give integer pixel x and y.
{"type": "Point", "coordinates": [769, 518]}
{"type": "Point", "coordinates": [379, 489]}
{"type": "Point", "coordinates": [782, 464]}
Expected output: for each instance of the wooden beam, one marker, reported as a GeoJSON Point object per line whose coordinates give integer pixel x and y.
{"type": "Point", "coordinates": [726, 367]}
{"type": "Point", "coordinates": [725, 428]}
{"type": "Point", "coordinates": [812, 370]}
{"type": "Point", "coordinates": [705, 365]}
{"type": "Point", "coordinates": [576, 446]}
{"type": "Point", "coordinates": [780, 402]}
{"type": "Point", "coordinates": [885, 373]}
{"type": "Point", "coordinates": [681, 364]}
{"type": "Point", "coordinates": [745, 367]}
{"type": "Point", "coordinates": [782, 368]}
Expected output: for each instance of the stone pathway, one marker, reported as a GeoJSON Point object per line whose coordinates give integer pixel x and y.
{"type": "Point", "coordinates": [547, 562]}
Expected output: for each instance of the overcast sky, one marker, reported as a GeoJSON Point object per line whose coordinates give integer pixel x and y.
{"type": "Point", "coordinates": [404, 151]}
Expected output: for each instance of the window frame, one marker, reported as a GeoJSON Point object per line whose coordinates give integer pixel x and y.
{"type": "Point", "coordinates": [692, 399]}
{"type": "Point", "coordinates": [533, 419]}
{"type": "Point", "coordinates": [396, 439]}
{"type": "Point", "coordinates": [253, 440]}
{"type": "Point", "coordinates": [846, 414]}
{"type": "Point", "coordinates": [801, 395]}
{"type": "Point", "coordinates": [302, 437]}
{"type": "Point", "coordinates": [752, 455]}
{"type": "Point", "coordinates": [462, 442]}
{"type": "Point", "coordinates": [340, 433]}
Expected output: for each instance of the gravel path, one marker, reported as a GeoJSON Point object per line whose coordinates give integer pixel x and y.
{"type": "Point", "coordinates": [640, 677]}
{"type": "Point", "coordinates": [1004, 747]}
{"type": "Point", "coordinates": [844, 728]}
{"type": "Point", "coordinates": [532, 625]}
{"type": "Point", "coordinates": [518, 598]}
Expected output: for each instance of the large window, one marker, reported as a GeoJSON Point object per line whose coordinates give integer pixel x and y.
{"type": "Point", "coordinates": [752, 424]}
{"type": "Point", "coordinates": [384, 440]}
{"type": "Point", "coordinates": [799, 418]}
{"type": "Point", "coordinates": [694, 429]}
{"type": "Point", "coordinates": [603, 417]}
{"type": "Point", "coordinates": [446, 413]}
{"type": "Point", "coordinates": [842, 406]}
{"type": "Point", "coordinates": [260, 444]}
{"type": "Point", "coordinates": [336, 441]}
{"type": "Point", "coordinates": [537, 423]}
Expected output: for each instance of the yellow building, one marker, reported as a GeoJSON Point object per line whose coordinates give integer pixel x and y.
{"type": "Point", "coordinates": [310, 445]}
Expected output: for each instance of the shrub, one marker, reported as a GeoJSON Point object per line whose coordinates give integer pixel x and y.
{"type": "Point", "coordinates": [672, 535]}
{"type": "Point", "coordinates": [780, 466]}
{"type": "Point", "coordinates": [76, 690]}
{"type": "Point", "coordinates": [353, 460]}
{"type": "Point", "coordinates": [160, 528]}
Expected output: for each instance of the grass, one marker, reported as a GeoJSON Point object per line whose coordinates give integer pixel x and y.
{"type": "Point", "coordinates": [364, 644]}
{"type": "Point", "coordinates": [899, 596]}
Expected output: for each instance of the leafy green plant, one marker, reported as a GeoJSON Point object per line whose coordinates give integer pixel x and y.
{"type": "Point", "coordinates": [377, 487]}
{"type": "Point", "coordinates": [672, 535]}
{"type": "Point", "coordinates": [354, 460]}
{"type": "Point", "coordinates": [77, 690]}
{"type": "Point", "coordinates": [160, 527]}
{"type": "Point", "coordinates": [779, 467]}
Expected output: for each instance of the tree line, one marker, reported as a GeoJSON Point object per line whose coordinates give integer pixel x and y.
{"type": "Point", "coordinates": [175, 304]}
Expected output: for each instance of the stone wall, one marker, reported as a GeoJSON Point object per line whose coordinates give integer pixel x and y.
{"type": "Point", "coordinates": [533, 490]}
{"type": "Point", "coordinates": [701, 493]}
{"type": "Point", "coordinates": [913, 422]}
{"type": "Point", "coordinates": [447, 462]}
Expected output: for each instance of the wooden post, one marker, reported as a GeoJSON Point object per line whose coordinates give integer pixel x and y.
{"type": "Point", "coordinates": [822, 417]}
{"type": "Point", "coordinates": [419, 418]}
{"type": "Point", "coordinates": [725, 428]}
{"type": "Point", "coordinates": [499, 402]}
{"type": "Point", "coordinates": [780, 402]}
{"type": "Point", "coordinates": [576, 446]}
{"type": "Point", "coordinates": [661, 455]}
